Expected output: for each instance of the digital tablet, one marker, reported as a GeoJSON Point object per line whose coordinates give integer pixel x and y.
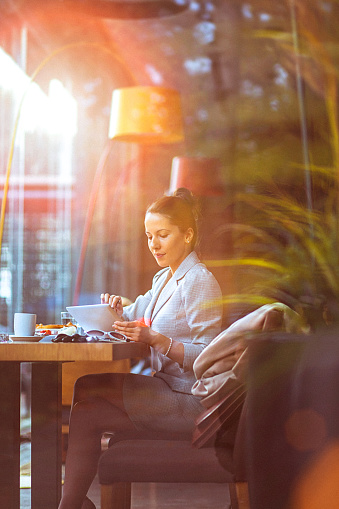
{"type": "Point", "coordinates": [94, 316]}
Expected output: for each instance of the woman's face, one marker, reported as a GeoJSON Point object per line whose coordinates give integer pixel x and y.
{"type": "Point", "coordinates": [166, 242]}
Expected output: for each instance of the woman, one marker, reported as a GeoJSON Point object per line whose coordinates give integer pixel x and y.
{"type": "Point", "coordinates": [177, 318]}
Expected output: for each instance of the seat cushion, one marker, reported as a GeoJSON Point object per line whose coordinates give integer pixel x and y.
{"type": "Point", "coordinates": [164, 461]}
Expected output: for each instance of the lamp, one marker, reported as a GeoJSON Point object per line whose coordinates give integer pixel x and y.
{"type": "Point", "coordinates": [146, 115]}
{"type": "Point", "coordinates": [202, 175]}
{"type": "Point", "coordinates": [142, 115]}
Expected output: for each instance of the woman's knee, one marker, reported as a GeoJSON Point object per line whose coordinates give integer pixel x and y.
{"type": "Point", "coordinates": [98, 415]}
{"type": "Point", "coordinates": [81, 388]}
{"type": "Point", "coordinates": [105, 385]}
{"type": "Point", "coordinates": [84, 382]}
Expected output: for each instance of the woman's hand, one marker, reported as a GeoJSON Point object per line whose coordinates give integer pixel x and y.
{"type": "Point", "coordinates": [114, 301]}
{"type": "Point", "coordinates": [137, 331]}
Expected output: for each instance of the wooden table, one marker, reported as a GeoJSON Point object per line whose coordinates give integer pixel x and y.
{"type": "Point", "coordinates": [46, 413]}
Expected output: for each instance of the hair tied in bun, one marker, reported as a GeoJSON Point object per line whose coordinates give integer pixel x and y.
{"type": "Point", "coordinates": [186, 195]}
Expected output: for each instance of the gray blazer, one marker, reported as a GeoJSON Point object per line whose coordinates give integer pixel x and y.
{"type": "Point", "coordinates": [188, 310]}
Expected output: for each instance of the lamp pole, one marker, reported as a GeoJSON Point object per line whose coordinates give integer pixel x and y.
{"type": "Point", "coordinates": [88, 220]}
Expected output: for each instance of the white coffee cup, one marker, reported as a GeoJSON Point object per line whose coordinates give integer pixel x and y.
{"type": "Point", "coordinates": [24, 324]}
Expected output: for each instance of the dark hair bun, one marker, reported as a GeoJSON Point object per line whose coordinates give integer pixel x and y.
{"type": "Point", "coordinates": [186, 195]}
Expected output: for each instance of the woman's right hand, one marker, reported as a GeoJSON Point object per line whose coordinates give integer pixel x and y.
{"type": "Point", "coordinates": [114, 301]}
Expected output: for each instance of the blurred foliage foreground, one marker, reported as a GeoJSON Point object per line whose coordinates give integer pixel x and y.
{"type": "Point", "coordinates": [287, 253]}
{"type": "Point", "coordinates": [285, 239]}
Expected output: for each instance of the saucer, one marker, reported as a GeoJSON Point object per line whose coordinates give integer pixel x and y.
{"type": "Point", "coordinates": [25, 339]}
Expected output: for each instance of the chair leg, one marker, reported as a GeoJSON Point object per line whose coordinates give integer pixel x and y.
{"type": "Point", "coordinates": [239, 495]}
{"type": "Point", "coordinates": [243, 495]}
{"type": "Point", "coordinates": [116, 496]}
{"type": "Point", "coordinates": [233, 495]}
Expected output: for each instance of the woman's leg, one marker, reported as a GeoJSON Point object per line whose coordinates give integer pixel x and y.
{"type": "Point", "coordinates": [97, 408]}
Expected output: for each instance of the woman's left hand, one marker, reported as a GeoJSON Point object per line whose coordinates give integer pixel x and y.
{"type": "Point", "coordinates": [137, 331]}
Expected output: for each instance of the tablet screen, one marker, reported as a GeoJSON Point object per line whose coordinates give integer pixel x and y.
{"type": "Point", "coordinates": [94, 316]}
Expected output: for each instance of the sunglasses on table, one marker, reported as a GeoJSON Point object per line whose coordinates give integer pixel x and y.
{"type": "Point", "coordinates": [99, 335]}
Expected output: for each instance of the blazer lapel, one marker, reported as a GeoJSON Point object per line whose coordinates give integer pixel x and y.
{"type": "Point", "coordinates": [156, 291]}
{"type": "Point", "coordinates": [163, 295]}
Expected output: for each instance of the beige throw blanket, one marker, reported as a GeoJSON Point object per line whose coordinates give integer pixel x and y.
{"type": "Point", "coordinates": [223, 362]}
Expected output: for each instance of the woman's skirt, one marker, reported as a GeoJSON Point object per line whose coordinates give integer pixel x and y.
{"type": "Point", "coordinates": [152, 405]}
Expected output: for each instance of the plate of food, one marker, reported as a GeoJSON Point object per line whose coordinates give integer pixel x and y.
{"type": "Point", "coordinates": [53, 329]}
{"type": "Point", "coordinates": [49, 329]}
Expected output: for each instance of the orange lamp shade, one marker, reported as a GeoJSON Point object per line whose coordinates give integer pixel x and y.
{"type": "Point", "coordinates": [202, 175]}
{"type": "Point", "coordinates": [146, 114]}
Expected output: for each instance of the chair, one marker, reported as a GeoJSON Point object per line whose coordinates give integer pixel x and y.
{"type": "Point", "coordinates": [160, 458]}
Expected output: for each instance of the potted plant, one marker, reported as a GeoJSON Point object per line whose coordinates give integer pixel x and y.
{"type": "Point", "coordinates": [285, 252]}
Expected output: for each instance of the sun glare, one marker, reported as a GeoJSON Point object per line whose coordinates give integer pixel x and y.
{"type": "Point", "coordinates": [55, 112]}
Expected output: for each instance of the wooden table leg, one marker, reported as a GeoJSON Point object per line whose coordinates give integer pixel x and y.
{"type": "Point", "coordinates": [46, 436]}
{"type": "Point", "coordinates": [10, 435]}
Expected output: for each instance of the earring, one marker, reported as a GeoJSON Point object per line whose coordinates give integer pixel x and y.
{"type": "Point", "coordinates": [187, 241]}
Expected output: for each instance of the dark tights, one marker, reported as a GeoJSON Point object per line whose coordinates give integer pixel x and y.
{"type": "Point", "coordinates": [97, 408]}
